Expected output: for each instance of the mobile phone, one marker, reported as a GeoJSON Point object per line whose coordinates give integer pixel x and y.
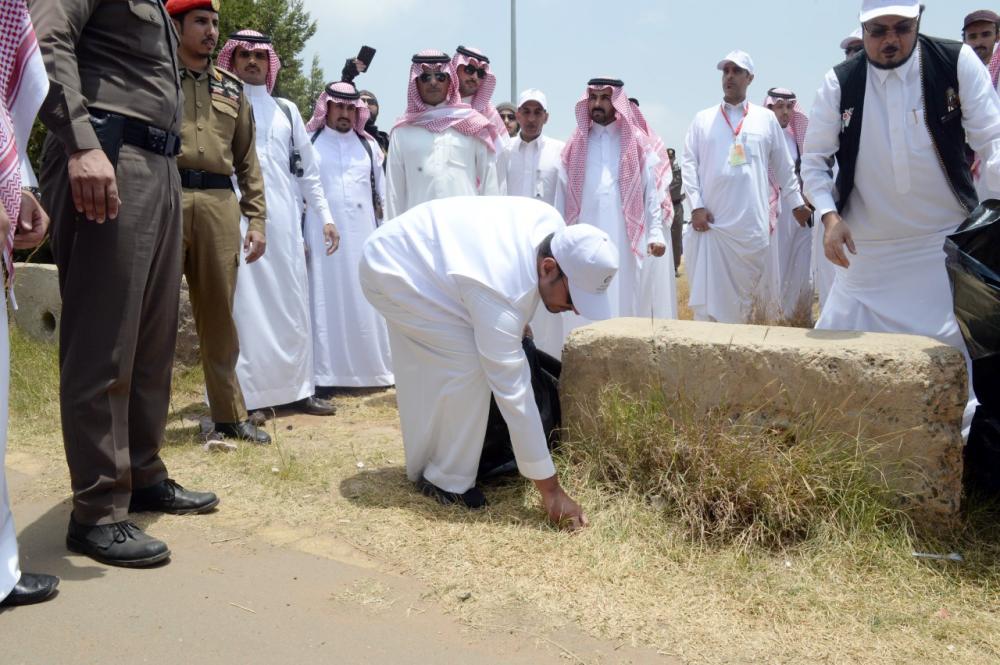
{"type": "Point", "coordinates": [366, 55]}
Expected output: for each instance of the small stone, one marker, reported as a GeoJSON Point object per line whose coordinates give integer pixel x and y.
{"type": "Point", "coordinates": [361, 465]}
{"type": "Point", "coordinates": [464, 596]}
{"type": "Point", "coordinates": [275, 469]}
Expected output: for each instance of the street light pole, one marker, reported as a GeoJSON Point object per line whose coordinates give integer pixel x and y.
{"type": "Point", "coordinates": [513, 51]}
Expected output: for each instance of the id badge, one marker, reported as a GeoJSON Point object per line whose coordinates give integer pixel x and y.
{"type": "Point", "coordinates": [737, 154]}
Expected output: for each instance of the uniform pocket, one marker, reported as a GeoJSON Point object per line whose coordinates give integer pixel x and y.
{"type": "Point", "coordinates": [224, 107]}
{"type": "Point", "coordinates": [146, 10]}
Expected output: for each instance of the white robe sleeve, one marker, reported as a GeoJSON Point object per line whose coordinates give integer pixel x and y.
{"type": "Point", "coordinates": [652, 200]}
{"type": "Point", "coordinates": [395, 196]}
{"type": "Point", "coordinates": [486, 170]}
{"type": "Point", "coordinates": [503, 165]}
{"type": "Point", "coordinates": [379, 175]}
{"type": "Point", "coordinates": [689, 166]}
{"type": "Point", "coordinates": [980, 114]}
{"type": "Point", "coordinates": [821, 144]}
{"type": "Point", "coordinates": [561, 183]}
{"type": "Point", "coordinates": [497, 327]}
{"type": "Point", "coordinates": [783, 165]}
{"type": "Point", "coordinates": [310, 184]}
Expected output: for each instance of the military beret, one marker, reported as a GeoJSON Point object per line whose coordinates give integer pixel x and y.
{"type": "Point", "coordinates": [175, 7]}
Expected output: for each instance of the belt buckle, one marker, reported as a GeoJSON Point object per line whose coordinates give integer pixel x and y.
{"type": "Point", "coordinates": [156, 140]}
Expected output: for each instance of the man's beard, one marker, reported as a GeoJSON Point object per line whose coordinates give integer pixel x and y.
{"type": "Point", "coordinates": [878, 65]}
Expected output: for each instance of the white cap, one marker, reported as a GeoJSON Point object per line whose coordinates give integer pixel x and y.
{"type": "Point", "coordinates": [741, 59]}
{"type": "Point", "coordinates": [851, 38]}
{"type": "Point", "coordinates": [533, 95]}
{"type": "Point", "coordinates": [589, 260]}
{"type": "Point", "coordinates": [874, 8]}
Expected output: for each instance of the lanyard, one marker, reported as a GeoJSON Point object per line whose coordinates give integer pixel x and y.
{"type": "Point", "coordinates": [736, 131]}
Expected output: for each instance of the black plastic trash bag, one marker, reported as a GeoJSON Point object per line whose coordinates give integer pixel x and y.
{"type": "Point", "coordinates": [498, 455]}
{"type": "Point", "coordinates": [973, 262]}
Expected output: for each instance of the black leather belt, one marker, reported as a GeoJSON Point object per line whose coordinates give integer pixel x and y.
{"type": "Point", "coordinates": [141, 135]}
{"type": "Point", "coordinates": [195, 179]}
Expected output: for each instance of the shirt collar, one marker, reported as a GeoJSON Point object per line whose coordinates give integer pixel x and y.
{"type": "Point", "coordinates": [612, 129]}
{"type": "Point", "coordinates": [905, 71]}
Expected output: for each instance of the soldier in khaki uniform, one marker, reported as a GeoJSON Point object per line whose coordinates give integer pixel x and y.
{"type": "Point", "coordinates": [110, 183]}
{"type": "Point", "coordinates": [217, 140]}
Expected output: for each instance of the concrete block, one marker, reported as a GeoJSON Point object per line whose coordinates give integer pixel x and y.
{"type": "Point", "coordinates": [36, 288]}
{"type": "Point", "coordinates": [905, 392]}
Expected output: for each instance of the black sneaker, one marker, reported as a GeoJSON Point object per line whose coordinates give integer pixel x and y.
{"type": "Point", "coordinates": [118, 544]}
{"type": "Point", "coordinates": [473, 499]}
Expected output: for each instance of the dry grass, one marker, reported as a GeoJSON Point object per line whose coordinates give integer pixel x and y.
{"type": "Point", "coordinates": [734, 480]}
{"type": "Point", "coordinates": [635, 576]}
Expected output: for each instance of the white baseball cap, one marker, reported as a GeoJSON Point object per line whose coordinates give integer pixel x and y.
{"type": "Point", "coordinates": [533, 95]}
{"type": "Point", "coordinates": [589, 260]}
{"type": "Point", "coordinates": [741, 59]}
{"type": "Point", "coordinates": [874, 8]}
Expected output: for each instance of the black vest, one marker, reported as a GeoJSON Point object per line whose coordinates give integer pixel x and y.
{"type": "Point", "coordinates": [942, 113]}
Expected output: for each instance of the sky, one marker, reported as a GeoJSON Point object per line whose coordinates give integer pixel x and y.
{"type": "Point", "coordinates": [665, 51]}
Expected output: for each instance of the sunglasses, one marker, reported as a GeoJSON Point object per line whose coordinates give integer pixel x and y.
{"type": "Point", "coordinates": [507, 116]}
{"type": "Point", "coordinates": [426, 77]}
{"type": "Point", "coordinates": [901, 29]}
{"type": "Point", "coordinates": [254, 55]}
{"type": "Point", "coordinates": [478, 71]}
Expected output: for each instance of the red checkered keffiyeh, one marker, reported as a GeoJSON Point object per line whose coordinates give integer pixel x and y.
{"type": "Point", "coordinates": [631, 163]}
{"type": "Point", "coordinates": [664, 169]}
{"type": "Point", "coordinates": [482, 101]}
{"type": "Point", "coordinates": [23, 84]}
{"type": "Point", "coordinates": [994, 67]}
{"type": "Point", "coordinates": [797, 127]}
{"type": "Point", "coordinates": [345, 93]}
{"type": "Point", "coordinates": [452, 113]}
{"type": "Point", "coordinates": [257, 41]}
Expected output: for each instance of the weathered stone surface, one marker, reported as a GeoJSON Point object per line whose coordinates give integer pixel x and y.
{"type": "Point", "coordinates": [39, 306]}
{"type": "Point", "coordinates": [40, 309]}
{"type": "Point", "coordinates": [905, 392]}
{"type": "Point", "coordinates": [187, 354]}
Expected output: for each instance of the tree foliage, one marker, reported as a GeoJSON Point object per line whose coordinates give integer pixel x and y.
{"type": "Point", "coordinates": [290, 26]}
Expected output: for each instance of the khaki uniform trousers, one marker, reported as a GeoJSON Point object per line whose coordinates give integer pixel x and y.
{"type": "Point", "coordinates": [212, 245]}
{"type": "Point", "coordinates": [120, 283]}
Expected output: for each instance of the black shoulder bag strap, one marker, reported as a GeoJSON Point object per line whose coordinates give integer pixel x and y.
{"type": "Point", "coordinates": [376, 203]}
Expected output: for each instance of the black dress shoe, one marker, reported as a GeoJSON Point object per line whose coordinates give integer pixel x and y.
{"type": "Point", "coordinates": [243, 431]}
{"type": "Point", "coordinates": [118, 544]}
{"type": "Point", "coordinates": [170, 497]}
{"type": "Point", "coordinates": [315, 406]}
{"type": "Point", "coordinates": [31, 588]}
{"type": "Point", "coordinates": [473, 499]}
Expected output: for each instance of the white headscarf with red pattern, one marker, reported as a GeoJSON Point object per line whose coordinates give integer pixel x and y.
{"type": "Point", "coordinates": [630, 167]}
{"type": "Point", "coordinates": [257, 41]}
{"type": "Point", "coordinates": [452, 113]}
{"type": "Point", "coordinates": [482, 101]}
{"type": "Point", "coordinates": [345, 93]}
{"type": "Point", "coordinates": [23, 84]}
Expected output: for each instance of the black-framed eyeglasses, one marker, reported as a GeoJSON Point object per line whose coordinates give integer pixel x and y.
{"type": "Point", "coordinates": [257, 54]}
{"type": "Point", "coordinates": [478, 71]}
{"type": "Point", "coordinates": [426, 77]}
{"type": "Point", "coordinates": [902, 29]}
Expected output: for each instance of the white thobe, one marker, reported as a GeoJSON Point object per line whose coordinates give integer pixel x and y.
{"type": "Point", "coordinates": [726, 263]}
{"type": "Point", "coordinates": [531, 169]}
{"type": "Point", "coordinates": [902, 206]}
{"type": "Point", "coordinates": [457, 280]}
{"type": "Point", "coordinates": [424, 166]}
{"type": "Point", "coordinates": [351, 344]}
{"type": "Point", "coordinates": [601, 206]}
{"type": "Point", "coordinates": [10, 571]}
{"type": "Point", "coordinates": [34, 86]}
{"type": "Point", "coordinates": [271, 305]}
{"type": "Point", "coordinates": [787, 278]}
